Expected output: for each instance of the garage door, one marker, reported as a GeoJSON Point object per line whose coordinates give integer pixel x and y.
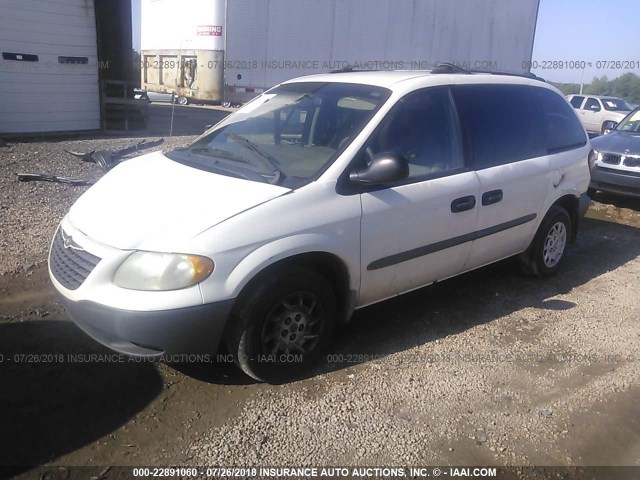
{"type": "Point", "coordinates": [49, 66]}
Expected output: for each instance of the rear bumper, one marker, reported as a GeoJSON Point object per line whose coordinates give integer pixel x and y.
{"type": "Point", "coordinates": [615, 181]}
{"type": "Point", "coordinates": [167, 334]}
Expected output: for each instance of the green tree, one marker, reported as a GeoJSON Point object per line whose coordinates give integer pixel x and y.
{"type": "Point", "coordinates": [567, 88]}
{"type": "Point", "coordinates": [626, 86]}
{"type": "Point", "coordinates": [599, 86]}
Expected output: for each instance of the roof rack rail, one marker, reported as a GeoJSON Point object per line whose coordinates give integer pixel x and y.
{"type": "Point", "coordinates": [342, 70]}
{"type": "Point", "coordinates": [351, 69]}
{"type": "Point", "coordinates": [451, 68]}
{"type": "Point", "coordinates": [446, 67]}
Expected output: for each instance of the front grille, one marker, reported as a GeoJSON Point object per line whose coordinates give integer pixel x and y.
{"type": "Point", "coordinates": [70, 265]}
{"type": "Point", "coordinates": [611, 158]}
{"type": "Point", "coordinates": [616, 171]}
{"type": "Point", "coordinates": [632, 161]}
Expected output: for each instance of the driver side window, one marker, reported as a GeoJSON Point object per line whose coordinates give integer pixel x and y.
{"type": "Point", "coordinates": [592, 104]}
{"type": "Point", "coordinates": [423, 128]}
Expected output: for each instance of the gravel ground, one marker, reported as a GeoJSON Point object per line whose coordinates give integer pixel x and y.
{"type": "Point", "coordinates": [491, 368]}
{"type": "Point", "coordinates": [30, 212]}
{"type": "Point", "coordinates": [500, 392]}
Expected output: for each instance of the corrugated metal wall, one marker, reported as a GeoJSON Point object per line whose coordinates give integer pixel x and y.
{"type": "Point", "coordinates": [48, 95]}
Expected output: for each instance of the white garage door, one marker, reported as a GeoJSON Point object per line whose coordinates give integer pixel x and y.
{"type": "Point", "coordinates": [49, 66]}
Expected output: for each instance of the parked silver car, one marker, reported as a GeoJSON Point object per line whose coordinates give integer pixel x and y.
{"type": "Point", "coordinates": [160, 97]}
{"type": "Point", "coordinates": [598, 113]}
{"type": "Point", "coordinates": [615, 159]}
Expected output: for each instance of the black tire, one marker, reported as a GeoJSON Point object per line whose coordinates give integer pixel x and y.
{"type": "Point", "coordinates": [226, 104]}
{"type": "Point", "coordinates": [182, 101]}
{"type": "Point", "coordinates": [591, 193]}
{"type": "Point", "coordinates": [549, 246]}
{"type": "Point", "coordinates": [263, 341]}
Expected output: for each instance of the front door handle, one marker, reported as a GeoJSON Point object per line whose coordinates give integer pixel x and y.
{"type": "Point", "coordinates": [463, 204]}
{"type": "Point", "coordinates": [489, 198]}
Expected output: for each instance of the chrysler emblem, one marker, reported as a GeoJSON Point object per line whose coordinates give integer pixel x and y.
{"type": "Point", "coordinates": [68, 242]}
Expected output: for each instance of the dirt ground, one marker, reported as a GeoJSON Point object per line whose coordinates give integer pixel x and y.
{"type": "Point", "coordinates": [491, 368]}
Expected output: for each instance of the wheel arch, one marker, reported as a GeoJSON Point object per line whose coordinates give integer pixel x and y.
{"type": "Point", "coordinates": [328, 264]}
{"type": "Point", "coordinates": [571, 204]}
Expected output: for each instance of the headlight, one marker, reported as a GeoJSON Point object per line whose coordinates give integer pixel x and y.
{"type": "Point", "coordinates": [593, 156]}
{"type": "Point", "coordinates": [162, 271]}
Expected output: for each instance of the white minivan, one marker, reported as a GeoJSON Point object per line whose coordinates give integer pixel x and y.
{"type": "Point", "coordinates": [323, 195]}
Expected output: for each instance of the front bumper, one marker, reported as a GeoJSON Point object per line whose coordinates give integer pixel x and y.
{"type": "Point", "coordinates": [617, 181]}
{"type": "Point", "coordinates": [166, 334]}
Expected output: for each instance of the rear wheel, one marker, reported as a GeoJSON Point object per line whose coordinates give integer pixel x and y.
{"type": "Point", "coordinates": [283, 326]}
{"type": "Point", "coordinates": [547, 251]}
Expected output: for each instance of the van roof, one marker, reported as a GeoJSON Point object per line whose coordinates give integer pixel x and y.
{"type": "Point", "coordinates": [390, 79]}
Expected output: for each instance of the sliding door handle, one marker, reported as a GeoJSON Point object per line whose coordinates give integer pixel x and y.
{"type": "Point", "coordinates": [494, 196]}
{"type": "Point", "coordinates": [463, 204]}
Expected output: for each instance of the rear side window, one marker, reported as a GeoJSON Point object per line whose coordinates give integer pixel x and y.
{"type": "Point", "coordinates": [502, 123]}
{"type": "Point", "coordinates": [562, 129]}
{"type": "Point", "coordinates": [510, 123]}
{"type": "Point", "coordinates": [577, 101]}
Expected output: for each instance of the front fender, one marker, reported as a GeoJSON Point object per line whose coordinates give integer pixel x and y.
{"type": "Point", "coordinates": [281, 249]}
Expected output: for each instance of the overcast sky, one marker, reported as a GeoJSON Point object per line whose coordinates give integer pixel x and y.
{"type": "Point", "coordinates": [588, 31]}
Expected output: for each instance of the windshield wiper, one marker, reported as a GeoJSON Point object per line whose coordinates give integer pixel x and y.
{"type": "Point", "coordinates": [268, 159]}
{"type": "Point", "coordinates": [218, 166]}
{"type": "Point", "coordinates": [217, 152]}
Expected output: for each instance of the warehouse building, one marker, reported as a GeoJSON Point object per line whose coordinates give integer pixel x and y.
{"type": "Point", "coordinates": [61, 59]}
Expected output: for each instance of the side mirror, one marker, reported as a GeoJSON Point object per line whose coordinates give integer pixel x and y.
{"type": "Point", "coordinates": [384, 168]}
{"type": "Point", "coordinates": [608, 126]}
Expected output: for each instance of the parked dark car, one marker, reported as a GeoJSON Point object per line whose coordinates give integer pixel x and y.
{"type": "Point", "coordinates": [615, 160]}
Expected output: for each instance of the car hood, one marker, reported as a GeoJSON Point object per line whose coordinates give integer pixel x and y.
{"type": "Point", "coordinates": [154, 203]}
{"type": "Point", "coordinates": [619, 115]}
{"type": "Point", "coordinates": [618, 142]}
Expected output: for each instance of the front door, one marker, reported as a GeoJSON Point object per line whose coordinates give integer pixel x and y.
{"type": "Point", "coordinates": [591, 114]}
{"type": "Point", "coordinates": [420, 230]}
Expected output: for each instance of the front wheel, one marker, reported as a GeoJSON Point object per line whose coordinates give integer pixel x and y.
{"type": "Point", "coordinates": [547, 251]}
{"type": "Point", "coordinates": [283, 326]}
{"type": "Point", "coordinates": [183, 101]}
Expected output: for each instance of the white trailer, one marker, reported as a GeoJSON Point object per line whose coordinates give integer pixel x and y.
{"type": "Point", "coordinates": [230, 50]}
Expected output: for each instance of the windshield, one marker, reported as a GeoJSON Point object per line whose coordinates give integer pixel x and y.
{"type": "Point", "coordinates": [616, 104]}
{"type": "Point", "coordinates": [288, 135]}
{"type": "Point", "coordinates": [630, 123]}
